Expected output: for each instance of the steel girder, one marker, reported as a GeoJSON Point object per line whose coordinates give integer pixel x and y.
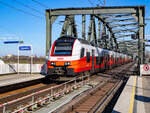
{"type": "Point", "coordinates": [111, 17]}
{"type": "Point", "coordinates": [69, 26]}
{"type": "Point", "coordinates": [121, 25]}
{"type": "Point", "coordinates": [129, 46]}
{"type": "Point", "coordinates": [94, 10]}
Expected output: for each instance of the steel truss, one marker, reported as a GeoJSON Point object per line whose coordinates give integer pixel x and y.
{"type": "Point", "coordinates": [117, 22]}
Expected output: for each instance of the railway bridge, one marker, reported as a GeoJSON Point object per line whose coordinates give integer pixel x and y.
{"type": "Point", "coordinates": [105, 27]}
{"type": "Point", "coordinates": [112, 90]}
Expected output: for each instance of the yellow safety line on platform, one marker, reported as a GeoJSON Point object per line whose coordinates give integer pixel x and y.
{"type": "Point", "coordinates": [132, 98]}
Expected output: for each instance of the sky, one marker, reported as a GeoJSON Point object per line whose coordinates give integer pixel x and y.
{"type": "Point", "coordinates": [25, 20]}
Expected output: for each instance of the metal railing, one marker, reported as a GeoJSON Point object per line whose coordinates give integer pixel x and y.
{"type": "Point", "coordinates": [42, 97]}
{"type": "Point", "coordinates": [25, 68]}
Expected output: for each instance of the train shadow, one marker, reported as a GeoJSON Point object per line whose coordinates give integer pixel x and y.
{"type": "Point", "coordinates": [48, 80]}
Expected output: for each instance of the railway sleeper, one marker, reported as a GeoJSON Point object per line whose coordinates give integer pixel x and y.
{"type": "Point", "coordinates": [80, 100]}
{"type": "Point", "coordinates": [32, 107]}
{"type": "Point", "coordinates": [41, 101]}
{"type": "Point", "coordinates": [85, 97]}
{"type": "Point", "coordinates": [60, 94]}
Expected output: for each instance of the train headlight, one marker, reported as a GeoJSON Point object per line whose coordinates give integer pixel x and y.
{"type": "Point", "coordinates": [67, 63]}
{"type": "Point", "coordinates": [53, 63]}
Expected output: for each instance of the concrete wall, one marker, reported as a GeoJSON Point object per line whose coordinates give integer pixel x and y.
{"type": "Point", "coordinates": [24, 68]}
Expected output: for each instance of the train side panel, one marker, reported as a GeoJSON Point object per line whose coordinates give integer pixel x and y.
{"type": "Point", "coordinates": [71, 57]}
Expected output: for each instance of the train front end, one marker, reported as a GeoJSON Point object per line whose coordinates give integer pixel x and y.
{"type": "Point", "coordinates": [60, 58]}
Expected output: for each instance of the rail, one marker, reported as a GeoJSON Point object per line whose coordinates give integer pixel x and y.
{"type": "Point", "coordinates": [106, 99]}
{"type": "Point", "coordinates": [42, 97]}
{"type": "Point", "coordinates": [45, 96]}
{"type": "Point", "coordinates": [96, 99]}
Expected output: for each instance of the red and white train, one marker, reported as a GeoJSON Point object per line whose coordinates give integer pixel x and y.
{"type": "Point", "coordinates": [71, 56]}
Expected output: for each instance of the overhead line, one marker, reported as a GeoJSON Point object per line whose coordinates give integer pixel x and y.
{"type": "Point", "coordinates": [91, 3]}
{"type": "Point", "coordinates": [27, 6]}
{"type": "Point", "coordinates": [39, 3]}
{"type": "Point", "coordinates": [20, 10]}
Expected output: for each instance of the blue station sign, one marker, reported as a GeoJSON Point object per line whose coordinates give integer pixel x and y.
{"type": "Point", "coordinates": [24, 48]}
{"type": "Point", "coordinates": [11, 42]}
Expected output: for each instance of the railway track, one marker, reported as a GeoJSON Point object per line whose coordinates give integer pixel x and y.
{"type": "Point", "coordinates": [8, 88]}
{"type": "Point", "coordinates": [95, 100]}
{"type": "Point", "coordinates": [19, 100]}
{"type": "Point", "coordinates": [39, 96]}
{"type": "Point", "coordinates": [11, 95]}
{"type": "Point", "coordinates": [91, 103]}
{"type": "Point", "coordinates": [10, 92]}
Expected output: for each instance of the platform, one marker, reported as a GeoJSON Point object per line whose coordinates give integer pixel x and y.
{"type": "Point", "coordinates": [6, 80]}
{"type": "Point", "coordinates": [135, 97]}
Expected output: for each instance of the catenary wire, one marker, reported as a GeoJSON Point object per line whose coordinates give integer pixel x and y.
{"type": "Point", "coordinates": [27, 6]}
{"type": "Point", "coordinates": [20, 10]}
{"type": "Point", "coordinates": [39, 3]}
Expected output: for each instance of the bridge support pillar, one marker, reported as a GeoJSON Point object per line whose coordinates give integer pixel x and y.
{"type": "Point", "coordinates": [141, 45]}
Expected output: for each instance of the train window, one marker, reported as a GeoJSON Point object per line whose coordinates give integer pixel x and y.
{"type": "Point", "coordinates": [82, 53]}
{"type": "Point", "coordinates": [63, 48]}
{"type": "Point", "coordinates": [88, 56]}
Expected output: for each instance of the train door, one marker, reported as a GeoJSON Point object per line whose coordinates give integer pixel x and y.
{"type": "Point", "coordinates": [93, 64]}
{"type": "Point", "coordinates": [108, 61]}
{"type": "Point", "coordinates": [105, 60]}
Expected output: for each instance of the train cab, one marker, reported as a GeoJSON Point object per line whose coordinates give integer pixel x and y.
{"type": "Point", "coordinates": [60, 56]}
{"type": "Point", "coordinates": [66, 56]}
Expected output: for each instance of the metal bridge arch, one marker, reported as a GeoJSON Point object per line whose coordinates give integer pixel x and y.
{"type": "Point", "coordinates": [121, 22]}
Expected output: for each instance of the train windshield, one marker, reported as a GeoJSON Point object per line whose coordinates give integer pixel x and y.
{"type": "Point", "coordinates": [63, 48]}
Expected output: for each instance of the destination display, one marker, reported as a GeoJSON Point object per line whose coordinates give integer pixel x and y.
{"type": "Point", "coordinates": [63, 44]}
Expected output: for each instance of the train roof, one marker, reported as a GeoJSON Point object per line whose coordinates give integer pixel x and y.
{"type": "Point", "coordinates": [74, 38]}
{"type": "Point", "coordinates": [71, 38]}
